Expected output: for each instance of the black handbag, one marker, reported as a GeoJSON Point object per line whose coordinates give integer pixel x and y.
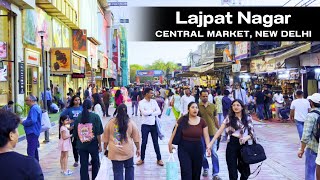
{"type": "Point", "coordinates": [252, 154]}
{"type": "Point", "coordinates": [178, 136]}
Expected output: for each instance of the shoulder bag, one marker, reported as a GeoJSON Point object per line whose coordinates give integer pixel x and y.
{"type": "Point", "coordinates": [178, 136]}
{"type": "Point", "coordinates": [252, 154]}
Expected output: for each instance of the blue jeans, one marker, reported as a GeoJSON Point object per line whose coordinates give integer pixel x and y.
{"type": "Point", "coordinates": [300, 125]}
{"type": "Point", "coordinates": [220, 118]}
{"type": "Point", "coordinates": [268, 110]}
{"type": "Point", "coordinates": [93, 150]}
{"type": "Point", "coordinates": [284, 113]}
{"type": "Point", "coordinates": [135, 105]}
{"type": "Point", "coordinates": [260, 111]}
{"type": "Point", "coordinates": [117, 167]}
{"type": "Point", "coordinates": [310, 164]}
{"type": "Point", "coordinates": [214, 157]}
{"type": "Point", "coordinates": [145, 130]}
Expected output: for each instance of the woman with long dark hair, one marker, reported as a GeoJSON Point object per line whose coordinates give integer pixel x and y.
{"type": "Point", "coordinates": [119, 136]}
{"type": "Point", "coordinates": [73, 111]}
{"type": "Point", "coordinates": [98, 106]}
{"type": "Point", "coordinates": [118, 99]}
{"type": "Point", "coordinates": [190, 149]}
{"type": "Point", "coordinates": [239, 128]}
{"type": "Point", "coordinates": [87, 132]}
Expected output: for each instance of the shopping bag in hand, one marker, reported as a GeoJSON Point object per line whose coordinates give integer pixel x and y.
{"type": "Point", "coordinates": [168, 111]}
{"type": "Point", "coordinates": [172, 171]}
{"type": "Point", "coordinates": [103, 173]}
{"type": "Point", "coordinates": [45, 122]}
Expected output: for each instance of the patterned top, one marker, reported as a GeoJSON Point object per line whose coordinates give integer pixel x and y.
{"type": "Point", "coordinates": [242, 130]}
{"type": "Point", "coordinates": [309, 129]}
{"type": "Point", "coordinates": [218, 100]}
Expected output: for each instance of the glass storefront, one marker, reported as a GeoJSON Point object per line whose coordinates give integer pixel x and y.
{"type": "Point", "coordinates": [6, 71]}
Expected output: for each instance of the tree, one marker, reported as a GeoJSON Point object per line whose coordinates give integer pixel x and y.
{"type": "Point", "coordinates": [166, 67]}
{"type": "Point", "coordinates": [133, 69]}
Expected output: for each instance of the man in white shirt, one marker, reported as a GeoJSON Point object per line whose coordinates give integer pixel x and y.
{"type": "Point", "coordinates": [239, 93]}
{"type": "Point", "coordinates": [185, 100]}
{"type": "Point", "coordinates": [298, 111]}
{"type": "Point", "coordinates": [149, 109]}
{"type": "Point", "coordinates": [278, 99]}
{"type": "Point", "coordinates": [210, 97]}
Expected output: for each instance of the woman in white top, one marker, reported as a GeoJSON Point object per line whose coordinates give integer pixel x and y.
{"type": "Point", "coordinates": [239, 128]}
{"type": "Point", "coordinates": [98, 106]}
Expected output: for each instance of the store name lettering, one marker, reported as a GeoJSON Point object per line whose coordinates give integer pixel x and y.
{"type": "Point", "coordinates": [32, 58]}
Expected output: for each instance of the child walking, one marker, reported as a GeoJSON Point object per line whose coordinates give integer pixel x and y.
{"type": "Point", "coordinates": [64, 144]}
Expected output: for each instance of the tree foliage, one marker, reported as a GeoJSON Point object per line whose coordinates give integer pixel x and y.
{"type": "Point", "coordinates": [166, 67]}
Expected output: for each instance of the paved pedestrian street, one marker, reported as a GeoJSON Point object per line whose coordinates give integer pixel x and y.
{"type": "Point", "coordinates": [279, 140]}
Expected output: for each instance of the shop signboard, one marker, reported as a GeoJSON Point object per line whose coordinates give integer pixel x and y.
{"type": "Point", "coordinates": [115, 48]}
{"type": "Point", "coordinates": [118, 3]}
{"type": "Point", "coordinates": [32, 57]}
{"type": "Point", "coordinates": [57, 29]}
{"type": "Point", "coordinates": [21, 78]}
{"type": "Point", "coordinates": [35, 20]}
{"type": "Point", "coordinates": [79, 39]}
{"type": "Point", "coordinates": [149, 73]}
{"type": "Point", "coordinates": [260, 65]}
{"type": "Point", "coordinates": [76, 60]}
{"type": "Point", "coordinates": [3, 50]}
{"type": "Point", "coordinates": [242, 50]}
{"type": "Point", "coordinates": [61, 61]}
{"type": "Point", "coordinates": [82, 64]}
{"type": "Point", "coordinates": [78, 75]}
{"type": "Point", "coordinates": [93, 61]}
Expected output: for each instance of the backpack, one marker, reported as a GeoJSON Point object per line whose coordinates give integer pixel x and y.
{"type": "Point", "coordinates": [317, 134]}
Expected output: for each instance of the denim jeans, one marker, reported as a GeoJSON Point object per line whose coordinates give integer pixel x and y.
{"type": "Point", "coordinates": [135, 105]}
{"type": "Point", "coordinates": [268, 110]}
{"type": "Point", "coordinates": [284, 113]}
{"type": "Point", "coordinates": [260, 111]}
{"type": "Point", "coordinates": [299, 125]}
{"type": "Point", "coordinates": [117, 167]}
{"type": "Point", "coordinates": [220, 118]}
{"type": "Point", "coordinates": [145, 130]}
{"type": "Point", "coordinates": [214, 157]}
{"type": "Point", "coordinates": [310, 164]}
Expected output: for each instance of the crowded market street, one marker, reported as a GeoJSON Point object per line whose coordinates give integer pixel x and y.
{"type": "Point", "coordinates": [280, 141]}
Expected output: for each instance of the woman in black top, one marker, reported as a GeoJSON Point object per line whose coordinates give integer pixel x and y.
{"type": "Point", "coordinates": [14, 165]}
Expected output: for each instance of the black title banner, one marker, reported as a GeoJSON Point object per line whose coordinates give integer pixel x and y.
{"type": "Point", "coordinates": [227, 24]}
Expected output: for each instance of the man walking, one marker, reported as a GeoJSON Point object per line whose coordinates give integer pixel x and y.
{"type": "Point", "coordinates": [185, 100]}
{"type": "Point", "coordinates": [106, 101]}
{"type": "Point", "coordinates": [308, 142]}
{"type": "Point", "coordinates": [259, 101]}
{"type": "Point", "coordinates": [49, 98]}
{"type": "Point", "coordinates": [267, 102]}
{"type": "Point", "coordinates": [134, 100]}
{"type": "Point", "coordinates": [208, 112]}
{"type": "Point", "coordinates": [32, 126]}
{"type": "Point", "coordinates": [149, 109]}
{"type": "Point", "coordinates": [298, 111]}
{"type": "Point", "coordinates": [240, 93]}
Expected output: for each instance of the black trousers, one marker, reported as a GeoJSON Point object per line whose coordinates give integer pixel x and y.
{"type": "Point", "coordinates": [234, 160]}
{"type": "Point", "coordinates": [93, 150]}
{"type": "Point", "coordinates": [190, 155]}
{"type": "Point", "coordinates": [74, 148]}
{"type": "Point", "coordinates": [107, 109]}
{"type": "Point", "coordinates": [145, 130]}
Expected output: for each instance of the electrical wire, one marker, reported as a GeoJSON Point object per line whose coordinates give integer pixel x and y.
{"type": "Point", "coordinates": [287, 2]}
{"type": "Point", "coordinates": [298, 3]}
{"type": "Point", "coordinates": [311, 3]}
{"type": "Point", "coordinates": [305, 3]}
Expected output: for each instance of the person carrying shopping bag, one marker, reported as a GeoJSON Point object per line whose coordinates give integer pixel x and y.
{"type": "Point", "coordinates": [190, 149]}
{"type": "Point", "coordinates": [119, 136]}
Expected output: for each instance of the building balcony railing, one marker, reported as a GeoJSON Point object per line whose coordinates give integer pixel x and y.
{"type": "Point", "coordinates": [62, 9]}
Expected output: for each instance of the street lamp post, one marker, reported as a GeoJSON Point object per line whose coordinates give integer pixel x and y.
{"type": "Point", "coordinates": [45, 84]}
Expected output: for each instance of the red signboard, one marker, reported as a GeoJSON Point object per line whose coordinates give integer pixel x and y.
{"type": "Point", "coordinates": [82, 75]}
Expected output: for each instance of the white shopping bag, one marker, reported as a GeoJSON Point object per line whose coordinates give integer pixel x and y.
{"type": "Point", "coordinates": [159, 128]}
{"type": "Point", "coordinates": [103, 173]}
{"type": "Point", "coordinates": [45, 122]}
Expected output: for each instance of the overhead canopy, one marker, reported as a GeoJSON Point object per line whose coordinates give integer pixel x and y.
{"type": "Point", "coordinates": [202, 68]}
{"type": "Point", "coordinates": [293, 52]}
{"type": "Point", "coordinates": [187, 74]}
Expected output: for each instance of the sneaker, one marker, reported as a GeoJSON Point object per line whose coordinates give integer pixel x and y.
{"type": "Point", "coordinates": [160, 163]}
{"type": "Point", "coordinates": [205, 173]}
{"type": "Point", "coordinates": [140, 162]}
{"type": "Point", "coordinates": [216, 177]}
{"type": "Point", "coordinates": [76, 164]}
{"type": "Point", "coordinates": [68, 173]}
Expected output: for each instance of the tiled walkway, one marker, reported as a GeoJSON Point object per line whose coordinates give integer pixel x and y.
{"type": "Point", "coordinates": [279, 140]}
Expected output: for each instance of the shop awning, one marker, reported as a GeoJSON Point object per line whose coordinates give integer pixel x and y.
{"type": "Point", "coordinates": [292, 52]}
{"type": "Point", "coordinates": [187, 74]}
{"type": "Point", "coordinates": [202, 68]}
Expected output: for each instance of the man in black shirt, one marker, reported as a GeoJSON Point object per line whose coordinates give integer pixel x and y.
{"type": "Point", "coordinates": [259, 98]}
{"type": "Point", "coordinates": [134, 99]}
{"type": "Point", "coordinates": [267, 102]}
